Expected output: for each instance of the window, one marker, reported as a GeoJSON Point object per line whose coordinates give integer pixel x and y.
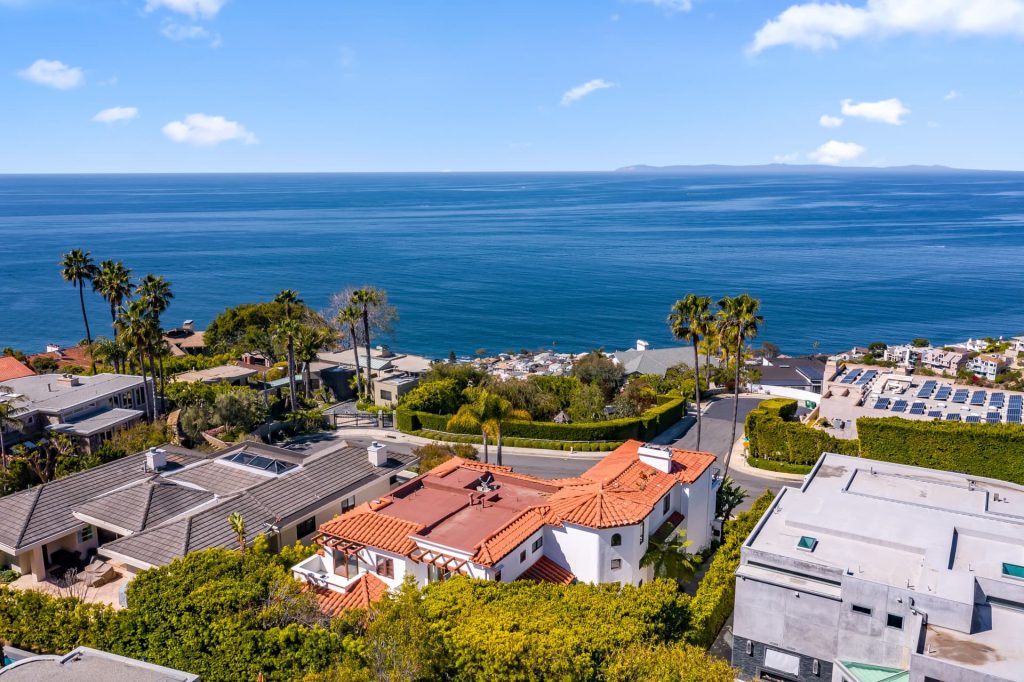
{"type": "Point", "coordinates": [306, 527]}
{"type": "Point", "coordinates": [435, 574]}
{"type": "Point", "coordinates": [385, 567]}
{"type": "Point", "coordinates": [497, 577]}
{"type": "Point", "coordinates": [807, 543]}
{"type": "Point", "coordinates": [85, 534]}
{"type": "Point", "coordinates": [385, 395]}
{"type": "Point", "coordinates": [347, 504]}
{"type": "Point", "coordinates": [894, 621]}
{"type": "Point", "coordinates": [522, 556]}
{"type": "Point", "coordinates": [643, 536]}
{"type": "Point", "coordinates": [616, 540]}
{"type": "Point", "coordinates": [616, 564]}
{"type": "Point", "coordinates": [538, 543]}
{"type": "Point", "coordinates": [1013, 571]}
{"type": "Point", "coordinates": [665, 504]}
{"type": "Point", "coordinates": [861, 609]}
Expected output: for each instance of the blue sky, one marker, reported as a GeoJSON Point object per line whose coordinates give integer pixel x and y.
{"type": "Point", "coordinates": [209, 85]}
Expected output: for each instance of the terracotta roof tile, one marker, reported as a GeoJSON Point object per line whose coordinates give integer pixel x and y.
{"type": "Point", "coordinates": [367, 527]}
{"type": "Point", "coordinates": [688, 465]}
{"type": "Point", "coordinates": [363, 592]}
{"type": "Point", "coordinates": [12, 368]}
{"type": "Point", "coordinates": [546, 570]}
{"type": "Point", "coordinates": [514, 533]}
{"type": "Point", "coordinates": [597, 506]}
{"type": "Point", "coordinates": [77, 355]}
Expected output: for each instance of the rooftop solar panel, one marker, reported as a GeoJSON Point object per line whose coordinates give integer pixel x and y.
{"type": "Point", "coordinates": [942, 393]}
{"type": "Point", "coordinates": [1016, 401]}
{"type": "Point", "coordinates": [978, 398]}
{"type": "Point", "coordinates": [867, 377]}
{"type": "Point", "coordinates": [996, 400]}
{"type": "Point", "coordinates": [882, 403]}
{"type": "Point", "coordinates": [1014, 417]}
{"type": "Point", "coordinates": [917, 408]}
{"type": "Point", "coordinates": [851, 377]}
{"type": "Point", "coordinates": [973, 419]}
{"type": "Point", "coordinates": [899, 406]}
{"type": "Point", "coordinates": [992, 417]}
{"type": "Point", "coordinates": [926, 389]}
{"type": "Point", "coordinates": [961, 395]}
{"type": "Point", "coordinates": [934, 414]}
{"type": "Point", "coordinates": [953, 417]}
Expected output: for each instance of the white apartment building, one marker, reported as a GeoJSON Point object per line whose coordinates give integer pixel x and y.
{"type": "Point", "coordinates": [485, 521]}
{"type": "Point", "coordinates": [880, 571]}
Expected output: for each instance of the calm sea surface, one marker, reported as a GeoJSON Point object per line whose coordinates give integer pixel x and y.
{"type": "Point", "coordinates": [503, 261]}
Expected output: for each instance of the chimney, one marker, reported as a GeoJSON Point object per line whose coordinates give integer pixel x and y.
{"type": "Point", "coordinates": [657, 456]}
{"type": "Point", "coordinates": [69, 380]}
{"type": "Point", "coordinates": [156, 459]}
{"type": "Point", "coordinates": [377, 454]}
{"type": "Point", "coordinates": [189, 326]}
{"type": "Point", "coordinates": [642, 345]}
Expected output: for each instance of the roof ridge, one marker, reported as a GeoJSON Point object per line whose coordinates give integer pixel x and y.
{"type": "Point", "coordinates": [150, 491]}
{"type": "Point", "coordinates": [28, 516]}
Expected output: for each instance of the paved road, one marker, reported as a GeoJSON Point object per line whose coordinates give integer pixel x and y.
{"type": "Point", "coordinates": [716, 432]}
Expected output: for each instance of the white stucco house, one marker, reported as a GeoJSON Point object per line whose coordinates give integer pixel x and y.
{"type": "Point", "coordinates": [485, 521]}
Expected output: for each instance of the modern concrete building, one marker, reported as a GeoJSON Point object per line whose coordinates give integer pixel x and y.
{"type": "Point", "coordinates": [394, 374]}
{"type": "Point", "coordinates": [879, 571]}
{"type": "Point", "coordinates": [89, 408]}
{"type": "Point", "coordinates": [485, 521]}
{"type": "Point", "coordinates": [988, 366]}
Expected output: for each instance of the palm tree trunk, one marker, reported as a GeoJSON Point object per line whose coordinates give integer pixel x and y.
{"type": "Point", "coordinates": [484, 432]}
{"type": "Point", "coordinates": [707, 361]}
{"type": "Point", "coordinates": [736, 397]}
{"type": "Point", "coordinates": [163, 385]}
{"type": "Point", "coordinates": [145, 386]}
{"type": "Point", "coordinates": [696, 385]}
{"type": "Point", "coordinates": [152, 373]}
{"type": "Point", "coordinates": [85, 318]}
{"type": "Point", "coordinates": [366, 332]}
{"type": "Point", "coordinates": [355, 354]}
{"type": "Point", "coordinates": [291, 371]}
{"type": "Point", "coordinates": [307, 378]}
{"type": "Point", "coordinates": [499, 443]}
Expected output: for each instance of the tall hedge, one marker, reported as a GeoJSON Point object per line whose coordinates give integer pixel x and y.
{"type": "Point", "coordinates": [990, 450]}
{"type": "Point", "coordinates": [716, 594]}
{"type": "Point", "coordinates": [645, 427]}
{"type": "Point", "coordinates": [772, 437]}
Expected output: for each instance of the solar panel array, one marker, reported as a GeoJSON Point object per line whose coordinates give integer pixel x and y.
{"type": "Point", "coordinates": [867, 377]}
{"type": "Point", "coordinates": [943, 392]}
{"type": "Point", "coordinates": [899, 406]}
{"type": "Point", "coordinates": [953, 417]}
{"type": "Point", "coordinates": [934, 414]}
{"type": "Point", "coordinates": [992, 417]}
{"type": "Point", "coordinates": [917, 408]}
{"type": "Point", "coordinates": [882, 404]}
{"type": "Point", "coordinates": [1014, 408]}
{"type": "Point", "coordinates": [926, 389]}
{"type": "Point", "coordinates": [851, 377]}
{"type": "Point", "coordinates": [1016, 402]}
{"type": "Point", "coordinates": [973, 419]}
{"type": "Point", "coordinates": [961, 395]}
{"type": "Point", "coordinates": [978, 398]}
{"type": "Point", "coordinates": [996, 401]}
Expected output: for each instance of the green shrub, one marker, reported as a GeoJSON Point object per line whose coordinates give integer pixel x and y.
{"type": "Point", "coordinates": [716, 593]}
{"type": "Point", "coordinates": [990, 450]}
{"type": "Point", "coordinates": [773, 438]}
{"type": "Point", "coordinates": [782, 467]}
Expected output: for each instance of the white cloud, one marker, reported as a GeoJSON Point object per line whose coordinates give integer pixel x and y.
{"type": "Point", "coordinates": [834, 152]}
{"type": "Point", "coordinates": [670, 5]}
{"type": "Point", "coordinates": [786, 158]}
{"type": "Point", "coordinates": [206, 9]}
{"type": "Point", "coordinates": [114, 114]}
{"type": "Point", "coordinates": [53, 73]}
{"type": "Point", "coordinates": [818, 25]}
{"type": "Point", "coordinates": [889, 111]}
{"type": "Point", "coordinates": [953, 94]}
{"type": "Point", "coordinates": [827, 121]}
{"type": "Point", "coordinates": [581, 91]}
{"type": "Point", "coordinates": [175, 31]}
{"type": "Point", "coordinates": [202, 130]}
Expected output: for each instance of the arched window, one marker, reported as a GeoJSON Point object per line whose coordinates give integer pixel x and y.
{"type": "Point", "coordinates": [616, 540]}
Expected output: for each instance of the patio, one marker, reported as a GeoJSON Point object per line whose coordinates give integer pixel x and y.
{"type": "Point", "coordinates": [107, 593]}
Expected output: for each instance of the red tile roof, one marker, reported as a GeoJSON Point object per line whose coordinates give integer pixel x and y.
{"type": "Point", "coordinates": [12, 368]}
{"type": "Point", "coordinates": [546, 570]}
{"type": "Point", "coordinates": [497, 546]}
{"type": "Point", "coordinates": [78, 355]}
{"type": "Point", "coordinates": [363, 592]}
{"type": "Point", "coordinates": [597, 506]}
{"type": "Point", "coordinates": [369, 527]}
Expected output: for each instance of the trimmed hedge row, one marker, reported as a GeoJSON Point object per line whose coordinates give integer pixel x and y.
{"type": "Point", "coordinates": [773, 438]}
{"type": "Point", "coordinates": [989, 450]}
{"type": "Point", "coordinates": [716, 593]}
{"type": "Point", "coordinates": [645, 427]}
{"type": "Point", "coordinates": [45, 624]}
{"type": "Point", "coordinates": [521, 442]}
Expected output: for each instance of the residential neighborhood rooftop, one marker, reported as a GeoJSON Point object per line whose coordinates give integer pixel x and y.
{"type": "Point", "coordinates": [90, 665]}
{"type": "Point", "coordinates": [57, 392]}
{"type": "Point", "coordinates": [12, 368]}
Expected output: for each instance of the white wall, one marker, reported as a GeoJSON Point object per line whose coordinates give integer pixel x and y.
{"type": "Point", "coordinates": [787, 392]}
{"type": "Point", "coordinates": [700, 510]}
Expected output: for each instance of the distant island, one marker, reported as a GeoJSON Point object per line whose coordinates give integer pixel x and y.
{"type": "Point", "coordinates": [786, 168]}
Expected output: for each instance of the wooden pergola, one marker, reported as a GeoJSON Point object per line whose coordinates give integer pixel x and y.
{"type": "Point", "coordinates": [440, 560]}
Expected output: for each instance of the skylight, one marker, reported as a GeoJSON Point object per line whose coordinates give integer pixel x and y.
{"type": "Point", "coordinates": [807, 543]}
{"type": "Point", "coordinates": [261, 463]}
{"type": "Point", "coordinates": [1013, 571]}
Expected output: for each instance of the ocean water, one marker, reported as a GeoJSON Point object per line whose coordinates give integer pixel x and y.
{"type": "Point", "coordinates": [565, 260]}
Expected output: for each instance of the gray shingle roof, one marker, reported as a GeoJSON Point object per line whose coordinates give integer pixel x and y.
{"type": "Point", "coordinates": [144, 504]}
{"type": "Point", "coordinates": [656, 360]}
{"type": "Point", "coordinates": [280, 501]}
{"type": "Point", "coordinates": [44, 511]}
{"type": "Point", "coordinates": [217, 478]}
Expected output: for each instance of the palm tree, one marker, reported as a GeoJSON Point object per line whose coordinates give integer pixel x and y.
{"type": "Point", "coordinates": [113, 281]}
{"type": "Point", "coordinates": [9, 412]}
{"type": "Point", "coordinates": [309, 342]}
{"type": "Point", "coordinates": [730, 496]}
{"type": "Point", "coordinates": [474, 415]}
{"type": "Point", "coordinates": [690, 320]}
{"type": "Point", "coordinates": [669, 558]}
{"type": "Point", "coordinates": [739, 322]}
{"type": "Point", "coordinates": [350, 316]}
{"type": "Point", "coordinates": [237, 524]}
{"type": "Point", "coordinates": [111, 352]}
{"type": "Point", "coordinates": [135, 329]}
{"type": "Point", "coordinates": [285, 331]}
{"type": "Point", "coordinates": [367, 298]}
{"type": "Point", "coordinates": [155, 294]}
{"type": "Point", "coordinates": [289, 298]}
{"type": "Point", "coordinates": [77, 267]}
{"type": "Point", "coordinates": [501, 410]}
